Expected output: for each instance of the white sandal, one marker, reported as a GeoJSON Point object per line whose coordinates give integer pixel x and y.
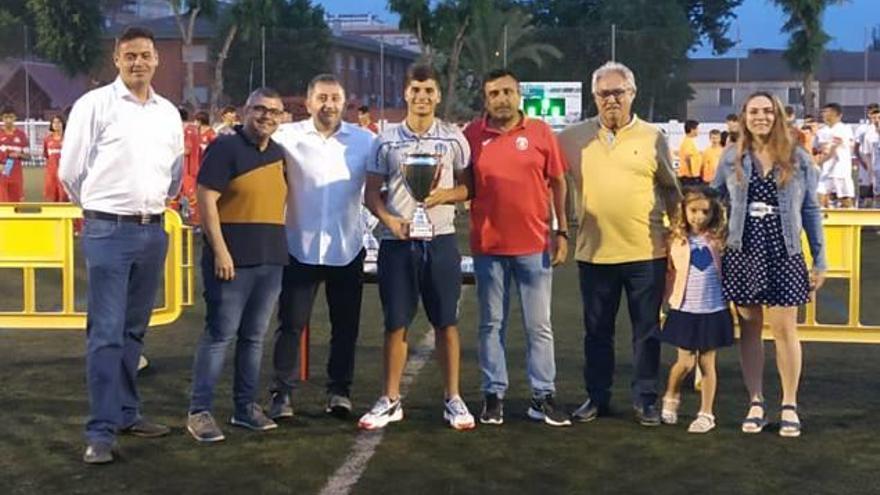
{"type": "Point", "coordinates": [703, 424]}
{"type": "Point", "coordinates": [669, 412]}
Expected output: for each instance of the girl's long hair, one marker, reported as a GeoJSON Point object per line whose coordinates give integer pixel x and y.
{"type": "Point", "coordinates": [779, 143]}
{"type": "Point", "coordinates": [716, 228]}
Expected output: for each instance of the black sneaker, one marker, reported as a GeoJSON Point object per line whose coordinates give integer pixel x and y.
{"type": "Point", "coordinates": [648, 415]}
{"type": "Point", "coordinates": [544, 409]}
{"type": "Point", "coordinates": [588, 411]}
{"type": "Point", "coordinates": [493, 410]}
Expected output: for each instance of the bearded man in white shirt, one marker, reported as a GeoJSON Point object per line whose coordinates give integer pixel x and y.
{"type": "Point", "coordinates": [122, 162]}
{"type": "Point", "coordinates": [326, 170]}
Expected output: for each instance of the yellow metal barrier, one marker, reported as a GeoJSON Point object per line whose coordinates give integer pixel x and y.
{"type": "Point", "coordinates": [843, 249]}
{"type": "Point", "coordinates": [40, 236]}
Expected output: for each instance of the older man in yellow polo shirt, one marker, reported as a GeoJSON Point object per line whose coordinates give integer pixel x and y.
{"type": "Point", "coordinates": [623, 171]}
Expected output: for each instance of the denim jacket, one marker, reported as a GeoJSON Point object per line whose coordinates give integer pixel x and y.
{"type": "Point", "coordinates": [798, 204]}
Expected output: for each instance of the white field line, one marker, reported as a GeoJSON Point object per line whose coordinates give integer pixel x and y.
{"type": "Point", "coordinates": [344, 479]}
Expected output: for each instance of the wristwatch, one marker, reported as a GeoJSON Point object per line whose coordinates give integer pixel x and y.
{"type": "Point", "coordinates": [563, 233]}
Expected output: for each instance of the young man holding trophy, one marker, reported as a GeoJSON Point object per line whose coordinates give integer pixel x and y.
{"type": "Point", "coordinates": [422, 162]}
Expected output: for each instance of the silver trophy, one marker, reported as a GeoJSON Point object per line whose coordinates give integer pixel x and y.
{"type": "Point", "coordinates": [421, 172]}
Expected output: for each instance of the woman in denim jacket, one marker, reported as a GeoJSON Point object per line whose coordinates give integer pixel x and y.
{"type": "Point", "coordinates": [771, 185]}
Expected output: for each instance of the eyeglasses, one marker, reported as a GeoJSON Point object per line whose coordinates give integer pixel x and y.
{"type": "Point", "coordinates": [616, 93]}
{"type": "Point", "coordinates": [264, 110]}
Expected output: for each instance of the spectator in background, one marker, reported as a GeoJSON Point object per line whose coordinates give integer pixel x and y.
{"type": "Point", "coordinates": [53, 190]}
{"type": "Point", "coordinates": [836, 139]}
{"type": "Point", "coordinates": [13, 149]}
{"type": "Point", "coordinates": [732, 122]}
{"type": "Point", "coordinates": [711, 156]}
{"type": "Point", "coordinates": [690, 161]}
{"type": "Point", "coordinates": [865, 139]}
{"type": "Point", "coordinates": [228, 120]}
{"type": "Point", "coordinates": [365, 120]}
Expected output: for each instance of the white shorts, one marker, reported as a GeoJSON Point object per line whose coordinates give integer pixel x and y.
{"type": "Point", "coordinates": [842, 187]}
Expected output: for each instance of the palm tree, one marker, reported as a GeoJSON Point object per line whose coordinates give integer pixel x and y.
{"type": "Point", "coordinates": [502, 39]}
{"type": "Point", "coordinates": [807, 39]}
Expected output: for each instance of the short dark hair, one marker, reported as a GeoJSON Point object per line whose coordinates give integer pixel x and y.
{"type": "Point", "coordinates": [714, 132]}
{"type": "Point", "coordinates": [872, 111]}
{"type": "Point", "coordinates": [7, 110]}
{"type": "Point", "coordinates": [228, 109]}
{"type": "Point", "coordinates": [203, 118]}
{"type": "Point", "coordinates": [834, 107]}
{"type": "Point", "coordinates": [690, 125]}
{"type": "Point", "coordinates": [789, 111]}
{"type": "Point", "coordinates": [498, 74]}
{"type": "Point", "coordinates": [873, 106]}
{"type": "Point", "coordinates": [326, 78]}
{"type": "Point", "coordinates": [264, 92]}
{"type": "Point", "coordinates": [731, 117]}
{"type": "Point", "coordinates": [421, 73]}
{"type": "Point", "coordinates": [364, 109]}
{"type": "Point", "coordinates": [135, 32]}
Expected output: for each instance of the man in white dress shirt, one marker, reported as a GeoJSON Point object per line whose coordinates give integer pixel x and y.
{"type": "Point", "coordinates": [326, 169]}
{"type": "Point", "coordinates": [122, 161]}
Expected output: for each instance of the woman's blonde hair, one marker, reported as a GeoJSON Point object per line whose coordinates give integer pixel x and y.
{"type": "Point", "coordinates": [779, 143]}
{"type": "Point", "coordinates": [716, 228]}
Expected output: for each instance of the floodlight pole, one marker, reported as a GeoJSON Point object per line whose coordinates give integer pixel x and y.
{"type": "Point", "coordinates": [614, 42]}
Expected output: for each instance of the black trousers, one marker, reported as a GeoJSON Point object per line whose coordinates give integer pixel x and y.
{"type": "Point", "coordinates": [343, 286]}
{"type": "Point", "coordinates": [601, 287]}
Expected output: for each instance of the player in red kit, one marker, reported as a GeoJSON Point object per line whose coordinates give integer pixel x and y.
{"type": "Point", "coordinates": [53, 192]}
{"type": "Point", "coordinates": [13, 148]}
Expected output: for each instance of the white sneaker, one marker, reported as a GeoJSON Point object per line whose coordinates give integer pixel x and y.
{"type": "Point", "coordinates": [669, 413]}
{"type": "Point", "coordinates": [457, 415]}
{"type": "Point", "coordinates": [383, 412]}
{"type": "Point", "coordinates": [703, 424]}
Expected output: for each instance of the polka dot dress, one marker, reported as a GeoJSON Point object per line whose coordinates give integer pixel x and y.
{"type": "Point", "coordinates": [762, 272]}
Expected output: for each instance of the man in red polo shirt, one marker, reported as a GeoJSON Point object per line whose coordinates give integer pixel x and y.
{"type": "Point", "coordinates": [518, 170]}
{"type": "Point", "coordinates": [13, 148]}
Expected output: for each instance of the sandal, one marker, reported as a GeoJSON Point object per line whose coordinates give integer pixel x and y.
{"type": "Point", "coordinates": [755, 424]}
{"type": "Point", "coordinates": [669, 413]}
{"type": "Point", "coordinates": [789, 429]}
{"type": "Point", "coordinates": [703, 424]}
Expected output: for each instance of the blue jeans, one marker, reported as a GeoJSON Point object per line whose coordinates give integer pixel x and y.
{"type": "Point", "coordinates": [533, 277]}
{"type": "Point", "coordinates": [601, 289]}
{"type": "Point", "coordinates": [124, 262]}
{"type": "Point", "coordinates": [242, 308]}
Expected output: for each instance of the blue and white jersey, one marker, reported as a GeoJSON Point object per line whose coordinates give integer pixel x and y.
{"type": "Point", "coordinates": [391, 149]}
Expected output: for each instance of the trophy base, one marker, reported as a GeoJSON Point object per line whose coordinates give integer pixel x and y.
{"type": "Point", "coordinates": [421, 232]}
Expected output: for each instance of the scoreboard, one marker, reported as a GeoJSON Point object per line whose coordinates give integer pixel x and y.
{"type": "Point", "coordinates": [557, 103]}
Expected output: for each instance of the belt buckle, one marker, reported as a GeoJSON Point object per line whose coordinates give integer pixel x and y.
{"type": "Point", "coordinates": [758, 210]}
{"type": "Point", "coordinates": [144, 219]}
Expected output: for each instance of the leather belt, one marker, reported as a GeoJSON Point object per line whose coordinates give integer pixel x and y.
{"type": "Point", "coordinates": [143, 219]}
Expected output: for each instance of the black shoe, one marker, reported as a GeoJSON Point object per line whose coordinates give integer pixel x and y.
{"type": "Point", "coordinates": [648, 415]}
{"type": "Point", "coordinates": [98, 453]}
{"type": "Point", "coordinates": [338, 406]}
{"type": "Point", "coordinates": [588, 411]}
{"type": "Point", "coordinates": [544, 409]}
{"type": "Point", "coordinates": [146, 429]}
{"type": "Point", "coordinates": [493, 410]}
{"type": "Point", "coordinates": [280, 407]}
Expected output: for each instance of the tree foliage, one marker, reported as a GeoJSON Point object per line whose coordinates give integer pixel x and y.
{"type": "Point", "coordinates": [807, 39]}
{"type": "Point", "coordinates": [297, 48]}
{"type": "Point", "coordinates": [68, 32]}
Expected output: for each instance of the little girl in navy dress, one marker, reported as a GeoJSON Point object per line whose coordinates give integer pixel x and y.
{"type": "Point", "coordinates": [699, 320]}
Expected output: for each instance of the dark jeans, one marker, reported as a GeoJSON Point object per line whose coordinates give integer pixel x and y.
{"type": "Point", "coordinates": [239, 309]}
{"type": "Point", "coordinates": [124, 262]}
{"type": "Point", "coordinates": [342, 286]}
{"type": "Point", "coordinates": [601, 286]}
